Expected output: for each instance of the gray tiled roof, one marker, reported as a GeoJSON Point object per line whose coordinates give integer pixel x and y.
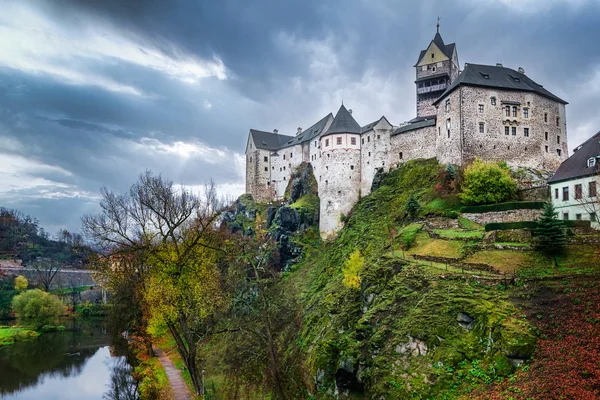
{"type": "Point", "coordinates": [370, 126]}
{"type": "Point", "coordinates": [268, 140]}
{"type": "Point", "coordinates": [415, 125]}
{"type": "Point", "coordinates": [497, 77]}
{"type": "Point", "coordinates": [447, 49]}
{"type": "Point", "coordinates": [343, 123]}
{"type": "Point", "coordinates": [576, 165]}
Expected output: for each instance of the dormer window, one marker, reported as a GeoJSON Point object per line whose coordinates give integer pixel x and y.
{"type": "Point", "coordinates": [591, 162]}
{"type": "Point", "coordinates": [485, 76]}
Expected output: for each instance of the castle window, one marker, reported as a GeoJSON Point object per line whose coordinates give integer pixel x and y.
{"type": "Point", "coordinates": [353, 141]}
{"type": "Point", "coordinates": [326, 182]}
{"type": "Point", "coordinates": [578, 191]}
{"type": "Point", "coordinates": [507, 111]}
{"type": "Point", "coordinates": [493, 101]}
{"type": "Point", "coordinates": [526, 113]}
{"type": "Point", "coordinates": [291, 154]}
{"type": "Point", "coordinates": [268, 183]}
{"type": "Point", "coordinates": [315, 143]}
{"type": "Point", "coordinates": [284, 168]}
{"type": "Point", "coordinates": [480, 108]}
{"type": "Point", "coordinates": [447, 105]}
{"type": "Point", "coordinates": [591, 162]}
{"type": "Point", "coordinates": [378, 137]}
{"type": "Point", "coordinates": [558, 139]}
{"type": "Point", "coordinates": [506, 130]}
{"type": "Point", "coordinates": [339, 140]}
{"type": "Point", "coordinates": [432, 55]}
{"type": "Point", "coordinates": [266, 169]}
{"type": "Point", "coordinates": [545, 117]}
{"type": "Point", "coordinates": [592, 190]}
{"type": "Point", "coordinates": [546, 149]}
{"type": "Point", "coordinates": [352, 167]}
{"type": "Point", "coordinates": [557, 121]}
{"type": "Point", "coordinates": [284, 178]}
{"type": "Point", "coordinates": [273, 168]}
{"type": "Point", "coordinates": [284, 156]}
{"type": "Point", "coordinates": [481, 127]}
{"type": "Point", "coordinates": [266, 159]}
{"type": "Point", "coordinates": [526, 132]}
{"type": "Point", "coordinates": [433, 69]}
{"type": "Point", "coordinates": [439, 131]}
{"type": "Point", "coordinates": [558, 152]}
{"type": "Point", "coordinates": [250, 159]}
{"type": "Point", "coordinates": [546, 135]}
{"type": "Point", "coordinates": [327, 168]}
{"type": "Point", "coordinates": [369, 154]}
{"type": "Point", "coordinates": [514, 113]}
{"type": "Point", "coordinates": [362, 140]}
{"type": "Point", "coordinates": [514, 131]}
{"type": "Point", "coordinates": [368, 138]}
{"type": "Point", "coordinates": [326, 142]}
{"type": "Point", "coordinates": [401, 155]}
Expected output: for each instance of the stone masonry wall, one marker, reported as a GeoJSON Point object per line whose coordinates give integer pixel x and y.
{"type": "Point", "coordinates": [448, 147]}
{"type": "Point", "coordinates": [504, 216]}
{"type": "Point", "coordinates": [375, 147]}
{"type": "Point", "coordinates": [419, 143]}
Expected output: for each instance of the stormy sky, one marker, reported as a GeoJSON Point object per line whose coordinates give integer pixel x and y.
{"type": "Point", "coordinates": [92, 93]}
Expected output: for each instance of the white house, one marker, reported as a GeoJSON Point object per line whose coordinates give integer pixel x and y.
{"type": "Point", "coordinates": [575, 186]}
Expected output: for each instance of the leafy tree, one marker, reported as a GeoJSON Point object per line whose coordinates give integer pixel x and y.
{"type": "Point", "coordinates": [352, 270]}
{"type": "Point", "coordinates": [412, 207]}
{"type": "Point", "coordinates": [550, 232]}
{"type": "Point", "coordinates": [38, 307]}
{"type": "Point", "coordinates": [165, 237]}
{"type": "Point", "coordinates": [487, 182]}
{"type": "Point", "coordinates": [21, 283]}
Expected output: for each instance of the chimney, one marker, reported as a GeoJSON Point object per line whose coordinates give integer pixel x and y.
{"type": "Point", "coordinates": [275, 131]}
{"type": "Point", "coordinates": [299, 131]}
{"type": "Point", "coordinates": [521, 70]}
{"type": "Point", "coordinates": [350, 111]}
{"type": "Point", "coordinates": [499, 65]}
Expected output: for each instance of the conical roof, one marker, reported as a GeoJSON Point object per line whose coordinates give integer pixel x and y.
{"type": "Point", "coordinates": [343, 123]}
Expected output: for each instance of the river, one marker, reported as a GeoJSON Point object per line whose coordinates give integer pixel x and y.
{"type": "Point", "coordinates": [82, 363]}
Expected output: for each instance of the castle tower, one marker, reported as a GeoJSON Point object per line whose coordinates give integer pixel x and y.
{"type": "Point", "coordinates": [339, 174]}
{"type": "Point", "coordinates": [436, 69]}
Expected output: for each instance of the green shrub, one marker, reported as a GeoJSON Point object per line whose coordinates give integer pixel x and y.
{"type": "Point", "coordinates": [511, 205]}
{"type": "Point", "coordinates": [487, 182]}
{"type": "Point", "coordinates": [502, 226]}
{"type": "Point", "coordinates": [37, 307]}
{"type": "Point", "coordinates": [451, 214]}
{"type": "Point", "coordinates": [21, 283]}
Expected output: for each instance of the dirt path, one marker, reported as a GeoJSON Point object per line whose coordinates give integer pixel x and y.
{"type": "Point", "coordinates": [178, 386]}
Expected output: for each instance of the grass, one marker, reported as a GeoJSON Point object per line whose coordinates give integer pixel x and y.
{"type": "Point", "coordinates": [459, 233]}
{"type": "Point", "coordinates": [439, 205]}
{"type": "Point", "coordinates": [513, 244]}
{"type": "Point", "coordinates": [576, 259]}
{"type": "Point", "coordinates": [11, 335]}
{"type": "Point", "coordinates": [468, 224]}
{"type": "Point", "coordinates": [506, 261]}
{"type": "Point", "coordinates": [436, 247]}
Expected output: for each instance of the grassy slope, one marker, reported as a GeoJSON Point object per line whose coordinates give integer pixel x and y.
{"type": "Point", "coordinates": [366, 328]}
{"type": "Point", "coordinates": [11, 335]}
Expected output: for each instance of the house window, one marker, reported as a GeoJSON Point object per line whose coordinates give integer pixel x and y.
{"type": "Point", "coordinates": [591, 162]}
{"type": "Point", "coordinates": [592, 216]}
{"type": "Point", "coordinates": [578, 191]}
{"type": "Point", "coordinates": [507, 111]}
{"type": "Point", "coordinates": [353, 141]}
{"type": "Point", "coordinates": [481, 127]}
{"type": "Point", "coordinates": [400, 155]}
{"type": "Point", "coordinates": [558, 152]}
{"type": "Point", "coordinates": [526, 113]}
{"type": "Point", "coordinates": [338, 140]}
{"type": "Point", "coordinates": [514, 131]}
{"type": "Point", "coordinates": [506, 130]}
{"type": "Point", "coordinates": [480, 108]}
{"type": "Point", "coordinates": [526, 132]}
{"type": "Point", "coordinates": [556, 193]}
{"type": "Point", "coordinates": [557, 121]}
{"type": "Point", "coordinates": [514, 114]}
{"type": "Point", "coordinates": [566, 216]}
{"type": "Point", "coordinates": [493, 101]}
{"type": "Point", "coordinates": [326, 142]}
{"type": "Point", "coordinates": [546, 135]}
{"type": "Point", "coordinates": [447, 105]}
{"type": "Point", "coordinates": [558, 139]}
{"type": "Point", "coordinates": [578, 217]}
{"type": "Point", "coordinates": [266, 159]}
{"type": "Point", "coordinates": [566, 193]}
{"type": "Point", "coordinates": [592, 190]}
{"type": "Point", "coordinates": [545, 117]}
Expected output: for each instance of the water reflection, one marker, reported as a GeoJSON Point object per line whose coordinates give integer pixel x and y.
{"type": "Point", "coordinates": [67, 365]}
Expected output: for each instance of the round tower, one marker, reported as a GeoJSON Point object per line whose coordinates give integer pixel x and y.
{"type": "Point", "coordinates": [339, 175]}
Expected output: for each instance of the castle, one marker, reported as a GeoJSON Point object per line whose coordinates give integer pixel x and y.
{"type": "Point", "coordinates": [484, 111]}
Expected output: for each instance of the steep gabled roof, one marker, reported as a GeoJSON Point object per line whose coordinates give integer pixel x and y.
{"type": "Point", "coordinates": [447, 49]}
{"type": "Point", "coordinates": [343, 123]}
{"type": "Point", "coordinates": [494, 76]}
{"type": "Point", "coordinates": [268, 140]}
{"type": "Point", "coordinates": [576, 166]}
{"type": "Point", "coordinates": [415, 125]}
{"type": "Point", "coordinates": [370, 126]}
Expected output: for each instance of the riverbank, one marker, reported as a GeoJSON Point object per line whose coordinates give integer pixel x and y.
{"type": "Point", "coordinates": [11, 335]}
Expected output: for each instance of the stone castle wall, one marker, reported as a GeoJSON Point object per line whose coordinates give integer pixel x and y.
{"type": "Point", "coordinates": [374, 150]}
{"type": "Point", "coordinates": [418, 143]}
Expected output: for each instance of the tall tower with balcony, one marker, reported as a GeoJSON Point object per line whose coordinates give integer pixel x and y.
{"type": "Point", "coordinates": [436, 68]}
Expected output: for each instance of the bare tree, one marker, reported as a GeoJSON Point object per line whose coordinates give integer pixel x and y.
{"type": "Point", "coordinates": [157, 225]}
{"type": "Point", "coordinates": [46, 270]}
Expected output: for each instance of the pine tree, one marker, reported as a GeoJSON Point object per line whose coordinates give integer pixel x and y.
{"type": "Point", "coordinates": [550, 232]}
{"type": "Point", "coordinates": [412, 207]}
